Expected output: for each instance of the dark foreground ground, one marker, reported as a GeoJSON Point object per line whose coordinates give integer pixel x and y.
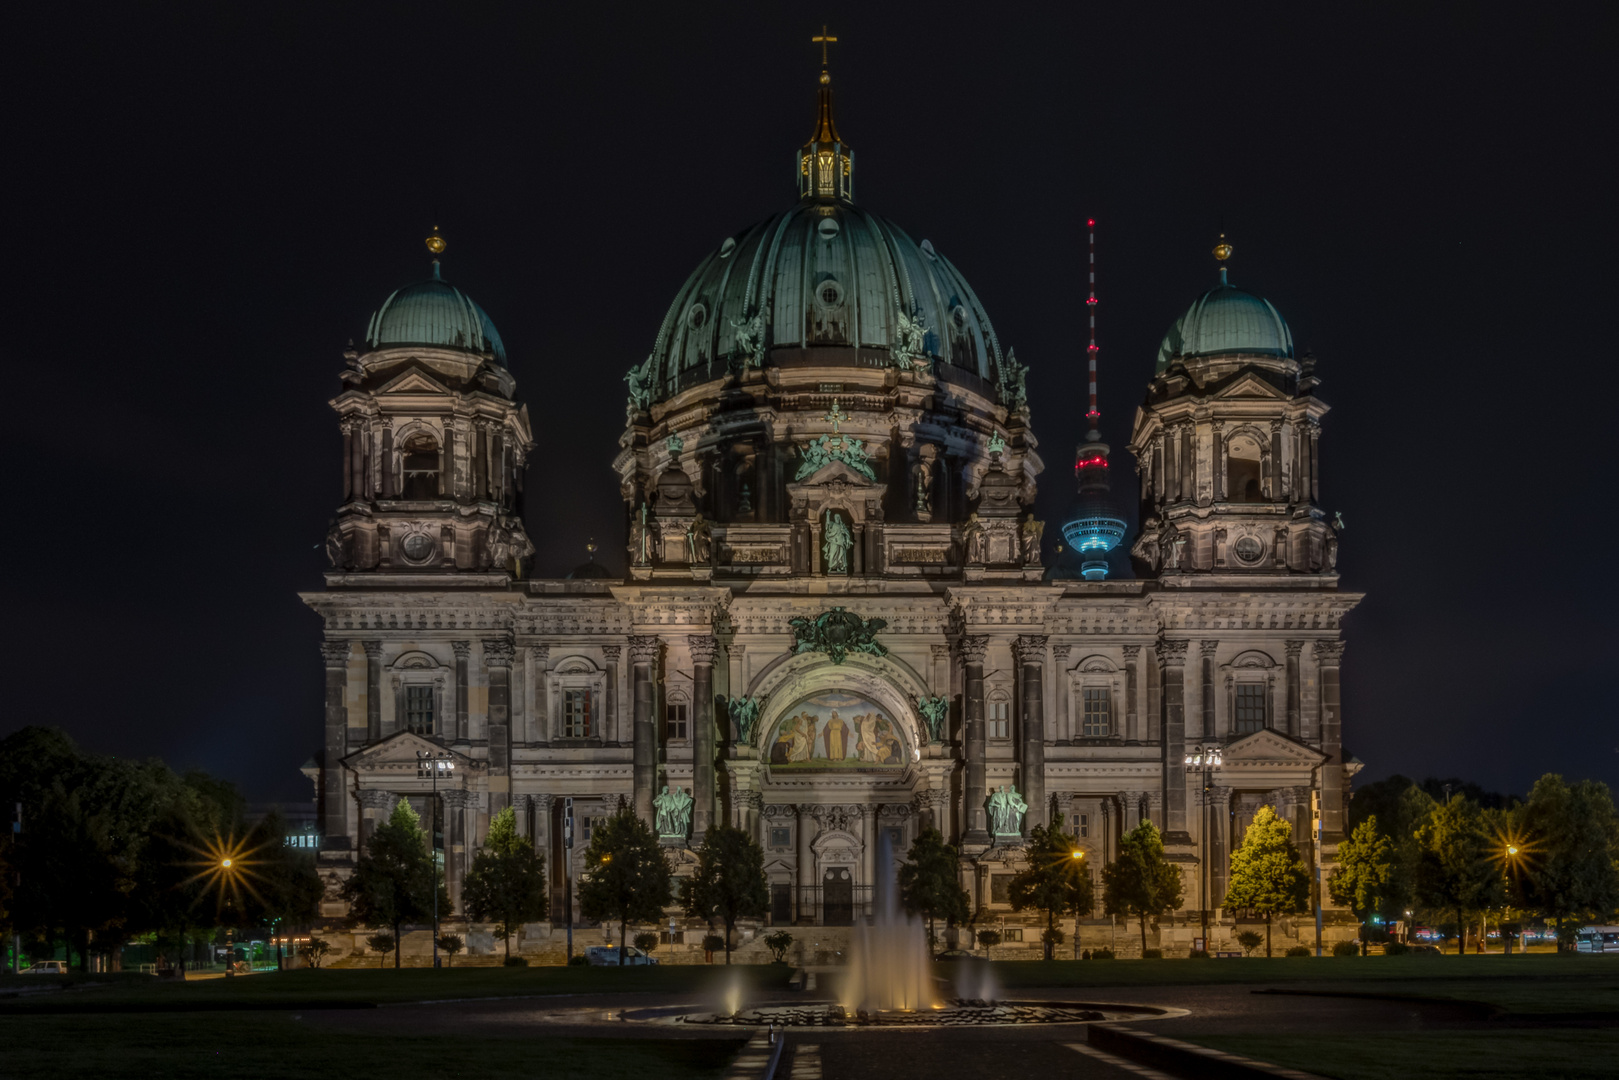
{"type": "Point", "coordinates": [1351, 1019]}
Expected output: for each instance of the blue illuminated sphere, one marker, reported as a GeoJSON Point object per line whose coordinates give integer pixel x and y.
{"type": "Point", "coordinates": [1097, 526]}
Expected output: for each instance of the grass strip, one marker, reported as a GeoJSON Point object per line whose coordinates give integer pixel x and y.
{"type": "Point", "coordinates": [1538, 1054]}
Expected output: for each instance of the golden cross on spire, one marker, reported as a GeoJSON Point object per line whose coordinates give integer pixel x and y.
{"type": "Point", "coordinates": [835, 417]}
{"type": "Point", "coordinates": [823, 39]}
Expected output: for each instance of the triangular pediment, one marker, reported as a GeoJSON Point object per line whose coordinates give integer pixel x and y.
{"type": "Point", "coordinates": [832, 472]}
{"type": "Point", "coordinates": [399, 751]}
{"type": "Point", "coordinates": [1251, 386]}
{"type": "Point", "coordinates": [1270, 748]}
{"type": "Point", "coordinates": [414, 381]}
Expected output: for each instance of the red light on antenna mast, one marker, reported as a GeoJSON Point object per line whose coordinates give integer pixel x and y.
{"type": "Point", "coordinates": [1090, 221]}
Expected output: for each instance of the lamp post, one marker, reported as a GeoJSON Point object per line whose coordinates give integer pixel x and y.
{"type": "Point", "coordinates": [430, 765]}
{"type": "Point", "coordinates": [1206, 758]}
{"type": "Point", "coordinates": [1076, 864]}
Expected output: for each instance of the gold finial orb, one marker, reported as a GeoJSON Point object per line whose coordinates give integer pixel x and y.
{"type": "Point", "coordinates": [436, 243]}
{"type": "Point", "coordinates": [1223, 250]}
{"type": "Point", "coordinates": [825, 78]}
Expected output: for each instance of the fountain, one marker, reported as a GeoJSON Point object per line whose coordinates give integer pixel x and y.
{"type": "Point", "coordinates": [890, 964]}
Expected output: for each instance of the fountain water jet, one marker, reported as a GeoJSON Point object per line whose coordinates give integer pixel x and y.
{"type": "Point", "coordinates": [890, 964]}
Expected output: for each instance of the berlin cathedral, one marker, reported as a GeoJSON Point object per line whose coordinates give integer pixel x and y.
{"type": "Point", "coordinates": [835, 628]}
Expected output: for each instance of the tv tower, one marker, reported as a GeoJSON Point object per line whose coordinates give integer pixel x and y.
{"type": "Point", "coordinates": [1096, 527]}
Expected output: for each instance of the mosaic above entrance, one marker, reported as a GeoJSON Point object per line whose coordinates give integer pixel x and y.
{"type": "Point", "coordinates": [835, 731]}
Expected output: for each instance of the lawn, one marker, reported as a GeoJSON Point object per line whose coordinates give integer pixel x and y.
{"type": "Point", "coordinates": [280, 1046]}
{"type": "Point", "coordinates": [1521, 1054]}
{"type": "Point", "coordinates": [363, 988]}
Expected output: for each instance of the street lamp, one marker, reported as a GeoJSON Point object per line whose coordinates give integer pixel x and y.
{"type": "Point", "coordinates": [1206, 758]}
{"type": "Point", "coordinates": [1077, 864]}
{"type": "Point", "coordinates": [430, 765]}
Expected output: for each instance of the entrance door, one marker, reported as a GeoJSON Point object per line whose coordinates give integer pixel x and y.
{"type": "Point", "coordinates": [837, 897]}
{"type": "Point", "coordinates": [781, 905]}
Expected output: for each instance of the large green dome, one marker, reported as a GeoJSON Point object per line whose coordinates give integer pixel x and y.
{"type": "Point", "coordinates": [1227, 320]}
{"type": "Point", "coordinates": [437, 314]}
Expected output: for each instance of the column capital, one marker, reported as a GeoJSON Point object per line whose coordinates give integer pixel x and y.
{"type": "Point", "coordinates": [373, 649]}
{"type": "Point", "coordinates": [1061, 653]}
{"type": "Point", "coordinates": [377, 800]}
{"type": "Point", "coordinates": [612, 653]}
{"type": "Point", "coordinates": [497, 652]}
{"type": "Point", "coordinates": [703, 647]}
{"type": "Point", "coordinates": [540, 654]}
{"type": "Point", "coordinates": [1065, 800]}
{"type": "Point", "coordinates": [335, 653]}
{"type": "Point", "coordinates": [1031, 648]}
{"type": "Point", "coordinates": [1293, 648]}
{"type": "Point", "coordinates": [1172, 653]}
{"type": "Point", "coordinates": [1207, 648]}
{"type": "Point", "coordinates": [543, 803]}
{"type": "Point", "coordinates": [1329, 653]}
{"type": "Point", "coordinates": [1275, 427]}
{"type": "Point", "coordinates": [1131, 652]}
{"type": "Point", "coordinates": [940, 652]}
{"type": "Point", "coordinates": [644, 649]}
{"type": "Point", "coordinates": [973, 647]}
{"type": "Point", "coordinates": [463, 649]}
{"type": "Point", "coordinates": [458, 798]}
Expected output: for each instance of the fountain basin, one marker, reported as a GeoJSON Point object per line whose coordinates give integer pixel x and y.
{"type": "Point", "coordinates": [959, 1012]}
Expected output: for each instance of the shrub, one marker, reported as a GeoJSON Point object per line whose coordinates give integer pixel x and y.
{"type": "Point", "coordinates": [1396, 948]}
{"type": "Point", "coordinates": [1053, 936]}
{"type": "Point", "coordinates": [1346, 948]}
{"type": "Point", "coordinates": [316, 951]}
{"type": "Point", "coordinates": [451, 944]}
{"type": "Point", "coordinates": [381, 944]}
{"type": "Point", "coordinates": [1101, 954]}
{"type": "Point", "coordinates": [1198, 954]}
{"type": "Point", "coordinates": [515, 961]}
{"type": "Point", "coordinates": [1250, 940]}
{"type": "Point", "coordinates": [1152, 954]}
{"type": "Point", "coordinates": [989, 938]}
{"type": "Point", "coordinates": [778, 943]}
{"type": "Point", "coordinates": [646, 942]}
{"type": "Point", "coordinates": [577, 961]}
{"type": "Point", "coordinates": [1298, 950]}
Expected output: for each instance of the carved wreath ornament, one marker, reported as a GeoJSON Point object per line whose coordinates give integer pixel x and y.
{"type": "Point", "coordinates": [838, 633]}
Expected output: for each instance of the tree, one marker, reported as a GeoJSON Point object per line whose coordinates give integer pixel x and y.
{"type": "Point", "coordinates": [778, 943]}
{"type": "Point", "coordinates": [451, 944]}
{"type": "Point", "coordinates": [1054, 881]}
{"type": "Point", "coordinates": [382, 944]}
{"type": "Point", "coordinates": [316, 951]}
{"type": "Point", "coordinates": [506, 882]}
{"type": "Point", "coordinates": [285, 889]}
{"type": "Point", "coordinates": [989, 939]}
{"type": "Point", "coordinates": [1365, 874]}
{"type": "Point", "coordinates": [393, 882]}
{"type": "Point", "coordinates": [1267, 873]}
{"type": "Point", "coordinates": [647, 942]}
{"type": "Point", "coordinates": [1567, 838]}
{"type": "Point", "coordinates": [1249, 940]}
{"type": "Point", "coordinates": [1140, 881]}
{"type": "Point", "coordinates": [1453, 872]}
{"type": "Point", "coordinates": [626, 879]}
{"type": "Point", "coordinates": [729, 882]}
{"type": "Point", "coordinates": [930, 881]}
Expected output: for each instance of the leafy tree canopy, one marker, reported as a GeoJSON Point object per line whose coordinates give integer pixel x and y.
{"type": "Point", "coordinates": [930, 881]}
{"type": "Point", "coordinates": [1054, 881]}
{"type": "Point", "coordinates": [393, 882]}
{"type": "Point", "coordinates": [626, 878]}
{"type": "Point", "coordinates": [506, 883]}
{"type": "Point", "coordinates": [729, 883]}
{"type": "Point", "coordinates": [1140, 881]}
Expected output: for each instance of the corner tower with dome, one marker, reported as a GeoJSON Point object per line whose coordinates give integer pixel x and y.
{"type": "Point", "coordinates": [831, 623]}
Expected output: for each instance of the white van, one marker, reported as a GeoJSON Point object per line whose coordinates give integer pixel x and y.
{"type": "Point", "coordinates": [1597, 939]}
{"type": "Point", "coordinates": [607, 956]}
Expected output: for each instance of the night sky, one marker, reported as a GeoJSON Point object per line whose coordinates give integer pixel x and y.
{"type": "Point", "coordinates": [208, 201]}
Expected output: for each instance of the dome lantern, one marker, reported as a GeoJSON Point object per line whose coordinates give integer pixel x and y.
{"type": "Point", "coordinates": [825, 164]}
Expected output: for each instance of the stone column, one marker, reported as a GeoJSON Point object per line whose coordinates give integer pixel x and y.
{"type": "Point", "coordinates": [643, 662]}
{"type": "Point", "coordinates": [805, 900]}
{"type": "Point", "coordinates": [1217, 467]}
{"type": "Point", "coordinates": [1031, 653]}
{"type": "Point", "coordinates": [703, 648]}
{"type": "Point", "coordinates": [334, 812]}
{"type": "Point", "coordinates": [540, 686]}
{"type": "Point", "coordinates": [1314, 431]}
{"type": "Point", "coordinates": [1132, 719]}
{"type": "Point", "coordinates": [542, 825]}
{"type": "Point", "coordinates": [463, 656]}
{"type": "Point", "coordinates": [1063, 727]}
{"type": "Point", "coordinates": [1173, 654]}
{"type": "Point", "coordinates": [613, 731]}
{"type": "Point", "coordinates": [1153, 715]}
{"type": "Point", "coordinates": [1219, 813]}
{"type": "Point", "coordinates": [348, 461]}
{"type": "Point", "coordinates": [1276, 461]}
{"type": "Point", "coordinates": [1065, 812]}
{"type": "Point", "coordinates": [375, 806]}
{"type": "Point", "coordinates": [497, 657]}
{"type": "Point", "coordinates": [457, 841]}
{"type": "Point", "coordinates": [868, 860]}
{"type": "Point", "coordinates": [1329, 655]}
{"type": "Point", "coordinates": [1188, 463]}
{"type": "Point", "coordinates": [1206, 651]}
{"type": "Point", "coordinates": [373, 690]}
{"type": "Point", "coordinates": [973, 649]}
{"type": "Point", "coordinates": [1293, 650]}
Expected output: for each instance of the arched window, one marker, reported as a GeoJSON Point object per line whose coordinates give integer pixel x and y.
{"type": "Point", "coordinates": [419, 457]}
{"type": "Point", "coordinates": [998, 715]}
{"type": "Point", "coordinates": [1244, 465]}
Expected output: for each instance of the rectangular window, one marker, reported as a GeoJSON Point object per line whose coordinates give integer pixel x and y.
{"type": "Point", "coordinates": [1250, 707]}
{"type": "Point", "coordinates": [1011, 933]}
{"type": "Point", "coordinates": [419, 710]}
{"type": "Point", "coordinates": [999, 728]}
{"type": "Point", "coordinates": [1098, 712]}
{"type": "Point", "coordinates": [1000, 888]}
{"type": "Point", "coordinates": [1082, 825]}
{"type": "Point", "coordinates": [576, 714]}
{"type": "Point", "coordinates": [781, 837]}
{"type": "Point", "coordinates": [675, 720]}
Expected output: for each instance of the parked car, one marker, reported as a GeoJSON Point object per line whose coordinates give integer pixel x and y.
{"type": "Point", "coordinates": [1424, 950]}
{"type": "Point", "coordinates": [607, 956]}
{"type": "Point", "coordinates": [955, 954]}
{"type": "Point", "coordinates": [48, 967]}
{"type": "Point", "coordinates": [1597, 939]}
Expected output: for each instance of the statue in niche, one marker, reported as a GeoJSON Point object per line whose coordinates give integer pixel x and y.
{"type": "Point", "coordinates": [1006, 810]}
{"type": "Point", "coordinates": [1032, 532]}
{"type": "Point", "coordinates": [1170, 545]}
{"type": "Point", "coordinates": [934, 710]}
{"type": "Point", "coordinates": [1332, 554]}
{"type": "Point", "coordinates": [976, 540]}
{"type": "Point", "coordinates": [744, 504]}
{"type": "Point", "coordinates": [673, 813]}
{"type": "Point", "coordinates": [922, 473]}
{"type": "Point", "coordinates": [640, 539]}
{"type": "Point", "coordinates": [744, 712]}
{"type": "Point", "coordinates": [699, 542]}
{"type": "Point", "coordinates": [497, 546]}
{"type": "Point", "coordinates": [337, 548]}
{"type": "Point", "coordinates": [838, 542]}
